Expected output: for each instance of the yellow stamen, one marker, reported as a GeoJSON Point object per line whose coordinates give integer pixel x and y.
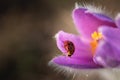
{"type": "Point", "coordinates": [96, 36]}
{"type": "Point", "coordinates": [93, 46]}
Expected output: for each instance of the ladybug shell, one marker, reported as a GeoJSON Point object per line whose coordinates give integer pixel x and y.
{"type": "Point", "coordinates": [69, 47]}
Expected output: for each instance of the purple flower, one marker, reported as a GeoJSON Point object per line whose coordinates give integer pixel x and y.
{"type": "Point", "coordinates": [97, 46]}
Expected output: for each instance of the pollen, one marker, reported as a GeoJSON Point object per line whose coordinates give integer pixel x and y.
{"type": "Point", "coordinates": [69, 47]}
{"type": "Point", "coordinates": [96, 36]}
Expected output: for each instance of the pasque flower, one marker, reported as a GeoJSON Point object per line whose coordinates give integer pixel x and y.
{"type": "Point", "coordinates": [96, 46]}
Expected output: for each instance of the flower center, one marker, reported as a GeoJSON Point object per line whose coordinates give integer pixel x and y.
{"type": "Point", "coordinates": [96, 36]}
{"type": "Point", "coordinates": [69, 47]}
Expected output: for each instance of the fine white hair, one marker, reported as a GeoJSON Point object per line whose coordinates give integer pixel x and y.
{"type": "Point", "coordinates": [91, 7]}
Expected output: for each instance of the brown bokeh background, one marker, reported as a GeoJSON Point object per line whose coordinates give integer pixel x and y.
{"type": "Point", "coordinates": [27, 28]}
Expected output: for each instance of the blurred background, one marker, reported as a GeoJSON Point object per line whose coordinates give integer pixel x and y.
{"type": "Point", "coordinates": [27, 28]}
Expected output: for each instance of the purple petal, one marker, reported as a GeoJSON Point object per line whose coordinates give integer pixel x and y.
{"type": "Point", "coordinates": [106, 56]}
{"type": "Point", "coordinates": [111, 35]}
{"type": "Point", "coordinates": [75, 62]}
{"type": "Point", "coordinates": [87, 22]}
{"type": "Point", "coordinates": [80, 46]}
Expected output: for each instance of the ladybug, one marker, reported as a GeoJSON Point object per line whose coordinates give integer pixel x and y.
{"type": "Point", "coordinates": [69, 47]}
